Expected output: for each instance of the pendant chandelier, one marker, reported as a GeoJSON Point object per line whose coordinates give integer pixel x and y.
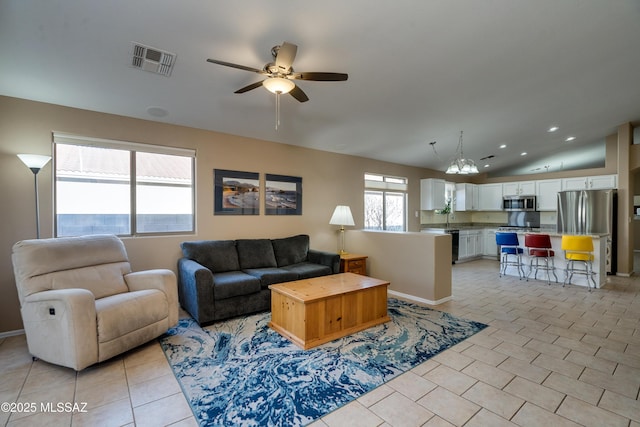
{"type": "Point", "coordinates": [460, 165]}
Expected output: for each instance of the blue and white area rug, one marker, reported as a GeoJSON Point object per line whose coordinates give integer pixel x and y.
{"type": "Point", "coordinates": [242, 373]}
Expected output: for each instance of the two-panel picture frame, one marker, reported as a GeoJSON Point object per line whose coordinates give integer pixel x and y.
{"type": "Point", "coordinates": [240, 193]}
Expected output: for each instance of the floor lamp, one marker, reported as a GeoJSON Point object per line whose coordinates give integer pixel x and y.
{"type": "Point", "coordinates": [35, 162]}
{"type": "Point", "coordinates": [342, 216]}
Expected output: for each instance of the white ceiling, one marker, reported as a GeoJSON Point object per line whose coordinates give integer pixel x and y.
{"type": "Point", "coordinates": [503, 71]}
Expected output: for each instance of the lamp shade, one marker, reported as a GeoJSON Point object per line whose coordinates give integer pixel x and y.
{"type": "Point", "coordinates": [278, 85]}
{"type": "Point", "coordinates": [34, 161]}
{"type": "Point", "coordinates": [342, 216]}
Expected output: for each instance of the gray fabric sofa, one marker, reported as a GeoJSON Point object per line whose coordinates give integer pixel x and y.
{"type": "Point", "coordinates": [219, 279]}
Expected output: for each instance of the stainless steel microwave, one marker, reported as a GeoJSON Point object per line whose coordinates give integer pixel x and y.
{"type": "Point", "coordinates": [519, 203]}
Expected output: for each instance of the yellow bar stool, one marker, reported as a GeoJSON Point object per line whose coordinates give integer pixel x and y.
{"type": "Point", "coordinates": [578, 250]}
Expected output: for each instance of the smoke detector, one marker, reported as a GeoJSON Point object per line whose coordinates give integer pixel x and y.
{"type": "Point", "coordinates": [151, 59]}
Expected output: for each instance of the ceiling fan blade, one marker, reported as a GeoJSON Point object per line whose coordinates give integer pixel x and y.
{"type": "Point", "coordinates": [249, 87]}
{"type": "Point", "coordinates": [286, 55]}
{"type": "Point", "coordinates": [232, 65]}
{"type": "Point", "coordinates": [321, 77]}
{"type": "Point", "coordinates": [299, 94]}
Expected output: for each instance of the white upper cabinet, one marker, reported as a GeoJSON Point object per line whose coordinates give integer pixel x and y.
{"type": "Point", "coordinates": [547, 194]}
{"type": "Point", "coordinates": [602, 182]}
{"type": "Point", "coordinates": [432, 194]}
{"type": "Point", "coordinates": [590, 182]}
{"type": "Point", "coordinates": [521, 188]}
{"type": "Point", "coordinates": [466, 197]}
{"type": "Point", "coordinates": [489, 197]}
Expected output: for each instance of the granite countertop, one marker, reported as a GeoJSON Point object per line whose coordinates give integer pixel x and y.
{"type": "Point", "coordinates": [459, 226]}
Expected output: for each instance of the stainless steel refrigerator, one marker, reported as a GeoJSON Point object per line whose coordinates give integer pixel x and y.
{"type": "Point", "coordinates": [590, 212]}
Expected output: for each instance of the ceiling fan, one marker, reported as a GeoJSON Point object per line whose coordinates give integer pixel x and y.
{"type": "Point", "coordinates": [280, 73]}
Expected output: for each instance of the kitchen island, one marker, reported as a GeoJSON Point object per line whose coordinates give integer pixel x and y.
{"type": "Point", "coordinates": [599, 262]}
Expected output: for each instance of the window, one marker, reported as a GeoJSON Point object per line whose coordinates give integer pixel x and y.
{"type": "Point", "coordinates": [122, 188]}
{"type": "Point", "coordinates": [385, 202]}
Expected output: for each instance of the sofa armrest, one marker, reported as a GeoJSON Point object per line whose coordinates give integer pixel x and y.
{"type": "Point", "coordinates": [161, 279]}
{"type": "Point", "coordinates": [195, 289]}
{"type": "Point", "coordinates": [330, 259]}
{"type": "Point", "coordinates": [66, 317]}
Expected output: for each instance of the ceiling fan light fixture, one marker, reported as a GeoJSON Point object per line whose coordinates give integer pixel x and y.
{"type": "Point", "coordinates": [278, 85]}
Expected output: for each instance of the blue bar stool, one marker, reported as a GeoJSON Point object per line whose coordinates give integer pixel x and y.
{"type": "Point", "coordinates": [510, 253]}
{"type": "Point", "coordinates": [539, 248]}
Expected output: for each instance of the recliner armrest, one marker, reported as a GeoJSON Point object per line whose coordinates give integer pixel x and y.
{"type": "Point", "coordinates": [330, 259]}
{"type": "Point", "coordinates": [66, 317]}
{"type": "Point", "coordinates": [161, 279]}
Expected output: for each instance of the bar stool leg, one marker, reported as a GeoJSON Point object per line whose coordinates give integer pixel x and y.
{"type": "Point", "coordinates": [553, 269]}
{"type": "Point", "coordinates": [519, 266]}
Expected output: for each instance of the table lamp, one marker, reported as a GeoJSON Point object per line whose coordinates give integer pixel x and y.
{"type": "Point", "coordinates": [342, 216]}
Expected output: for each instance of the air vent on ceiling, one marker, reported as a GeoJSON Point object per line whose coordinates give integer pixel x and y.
{"type": "Point", "coordinates": [152, 59]}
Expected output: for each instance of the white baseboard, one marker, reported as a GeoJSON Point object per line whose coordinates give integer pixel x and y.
{"type": "Point", "coordinates": [417, 299]}
{"type": "Point", "coordinates": [11, 333]}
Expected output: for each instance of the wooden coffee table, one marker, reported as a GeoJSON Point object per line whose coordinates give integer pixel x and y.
{"type": "Point", "coordinates": [314, 311]}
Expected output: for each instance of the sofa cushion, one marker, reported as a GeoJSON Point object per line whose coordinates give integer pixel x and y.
{"type": "Point", "coordinates": [255, 253]}
{"type": "Point", "coordinates": [269, 276]}
{"type": "Point", "coordinates": [234, 283]}
{"type": "Point", "coordinates": [216, 255]}
{"type": "Point", "coordinates": [118, 315]}
{"type": "Point", "coordinates": [291, 250]}
{"type": "Point", "coordinates": [306, 270]}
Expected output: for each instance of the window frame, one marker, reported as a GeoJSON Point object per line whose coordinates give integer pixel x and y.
{"type": "Point", "coordinates": [132, 148]}
{"type": "Point", "coordinates": [380, 183]}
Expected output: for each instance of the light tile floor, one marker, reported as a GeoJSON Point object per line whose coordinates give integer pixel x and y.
{"type": "Point", "coordinates": [551, 356]}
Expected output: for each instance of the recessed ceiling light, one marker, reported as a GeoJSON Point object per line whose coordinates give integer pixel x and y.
{"type": "Point", "coordinates": [157, 111]}
{"type": "Point", "coordinates": [524, 153]}
{"type": "Point", "coordinates": [486, 166]}
{"type": "Point", "coordinates": [553, 129]}
{"type": "Point", "coordinates": [570, 138]}
{"type": "Point", "coordinates": [503, 146]}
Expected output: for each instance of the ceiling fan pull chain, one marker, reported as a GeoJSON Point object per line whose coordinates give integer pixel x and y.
{"type": "Point", "coordinates": [277, 110]}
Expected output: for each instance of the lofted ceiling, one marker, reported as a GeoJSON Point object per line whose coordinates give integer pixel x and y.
{"type": "Point", "coordinates": [420, 71]}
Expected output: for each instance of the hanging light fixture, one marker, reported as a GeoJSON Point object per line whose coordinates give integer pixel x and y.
{"type": "Point", "coordinates": [460, 165]}
{"type": "Point", "coordinates": [278, 85]}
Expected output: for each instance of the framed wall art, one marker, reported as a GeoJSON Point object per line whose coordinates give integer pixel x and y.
{"type": "Point", "coordinates": [236, 193]}
{"type": "Point", "coordinates": [283, 195]}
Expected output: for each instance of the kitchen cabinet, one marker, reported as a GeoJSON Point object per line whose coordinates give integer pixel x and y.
{"type": "Point", "coordinates": [522, 188]}
{"type": "Point", "coordinates": [547, 194]}
{"type": "Point", "coordinates": [489, 197]}
{"type": "Point", "coordinates": [590, 182]}
{"type": "Point", "coordinates": [602, 182]}
{"type": "Point", "coordinates": [490, 247]}
{"type": "Point", "coordinates": [432, 194]}
{"type": "Point", "coordinates": [466, 197]}
{"type": "Point", "coordinates": [470, 244]}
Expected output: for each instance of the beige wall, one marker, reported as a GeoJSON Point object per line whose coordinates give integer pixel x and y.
{"type": "Point", "coordinates": [417, 265]}
{"type": "Point", "coordinates": [328, 180]}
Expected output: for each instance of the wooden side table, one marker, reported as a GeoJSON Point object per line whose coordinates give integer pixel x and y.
{"type": "Point", "coordinates": [353, 263]}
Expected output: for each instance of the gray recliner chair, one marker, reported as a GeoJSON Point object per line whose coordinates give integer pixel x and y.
{"type": "Point", "coordinates": [81, 304]}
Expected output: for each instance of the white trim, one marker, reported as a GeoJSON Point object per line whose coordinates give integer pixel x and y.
{"type": "Point", "coordinates": [418, 299]}
{"type": "Point", "coordinates": [61, 138]}
{"type": "Point", "coordinates": [11, 333]}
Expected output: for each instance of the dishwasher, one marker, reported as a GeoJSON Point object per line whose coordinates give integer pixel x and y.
{"type": "Point", "coordinates": [455, 244]}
